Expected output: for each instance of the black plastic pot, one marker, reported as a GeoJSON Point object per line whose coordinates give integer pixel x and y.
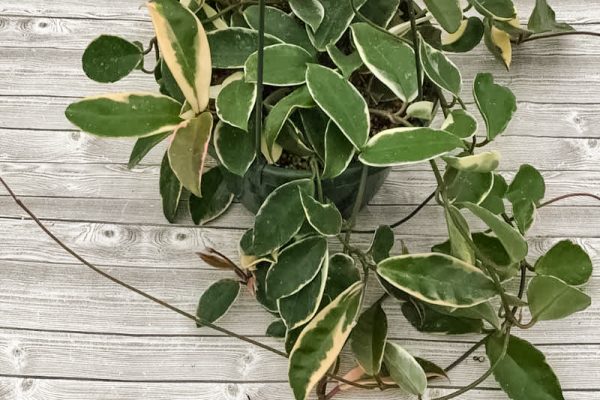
{"type": "Point", "coordinates": [262, 179]}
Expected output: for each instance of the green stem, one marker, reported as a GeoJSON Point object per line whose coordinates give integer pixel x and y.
{"type": "Point", "coordinates": [314, 165]}
{"type": "Point", "coordinates": [415, 38]}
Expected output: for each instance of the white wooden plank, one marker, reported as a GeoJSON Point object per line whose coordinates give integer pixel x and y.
{"type": "Point", "coordinates": [223, 359]}
{"type": "Point", "coordinates": [69, 297]}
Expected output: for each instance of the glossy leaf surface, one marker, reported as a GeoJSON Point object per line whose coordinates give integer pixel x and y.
{"type": "Point", "coordinates": [216, 198]}
{"type": "Point", "coordinates": [566, 261]}
{"type": "Point", "coordinates": [496, 103]}
{"type": "Point", "coordinates": [217, 300]}
{"type": "Point", "coordinates": [550, 298]}
{"type": "Point", "coordinates": [110, 58]}
{"type": "Point", "coordinates": [368, 339]}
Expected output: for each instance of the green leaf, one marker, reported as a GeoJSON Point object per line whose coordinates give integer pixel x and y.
{"type": "Point", "coordinates": [459, 246]}
{"type": "Point", "coordinates": [524, 214]}
{"type": "Point", "coordinates": [339, 152]}
{"type": "Point", "coordinates": [170, 190]}
{"type": "Point", "coordinates": [523, 372]}
{"type": "Point", "coordinates": [315, 124]}
{"type": "Point", "coordinates": [337, 18]}
{"type": "Point", "coordinates": [368, 339]}
{"type": "Point", "coordinates": [285, 65]}
{"type": "Point", "coordinates": [235, 102]}
{"type": "Point", "coordinates": [484, 162]}
{"type": "Point", "coordinates": [447, 12]}
{"type": "Point", "coordinates": [299, 308]}
{"type": "Point", "coordinates": [399, 146]}
{"type": "Point", "coordinates": [528, 184]}
{"type": "Point", "coordinates": [276, 329]}
{"type": "Point", "coordinates": [299, 98]}
{"type": "Point", "coordinates": [343, 273]}
{"type": "Point", "coordinates": [442, 72]}
{"type": "Point", "coordinates": [311, 12]}
{"type": "Point", "coordinates": [466, 38]}
{"type": "Point", "coordinates": [461, 124]}
{"type": "Point", "coordinates": [347, 64]}
{"type": "Point", "coordinates": [494, 200]}
{"type": "Point", "coordinates": [110, 58]}
{"type": "Point", "coordinates": [217, 300]}
{"type": "Point", "coordinates": [483, 311]}
{"type": "Point", "coordinates": [550, 298]}
{"type": "Point", "coordinates": [234, 148]}
{"type": "Point", "coordinates": [513, 242]}
{"type": "Point", "coordinates": [389, 59]}
{"type": "Point", "coordinates": [262, 296]}
{"type": "Point", "coordinates": [501, 10]}
{"type": "Point", "coordinates": [498, 42]}
{"type": "Point", "coordinates": [280, 25]}
{"type": "Point", "coordinates": [496, 103]}
{"type": "Point", "coordinates": [280, 216]}
{"type": "Point", "coordinates": [188, 150]}
{"type": "Point", "coordinates": [321, 341]}
{"type": "Point", "coordinates": [216, 198]}
{"type": "Point", "coordinates": [467, 186]}
{"type": "Point", "coordinates": [421, 110]}
{"type": "Point", "coordinates": [325, 218]}
{"type": "Point", "coordinates": [493, 249]}
{"type": "Point", "coordinates": [432, 370]}
{"type": "Point", "coordinates": [184, 47]}
{"type": "Point", "coordinates": [382, 244]}
{"type": "Point", "coordinates": [125, 114]}
{"type": "Point", "coordinates": [426, 319]}
{"type": "Point", "coordinates": [404, 369]}
{"type": "Point", "coordinates": [380, 12]}
{"type": "Point", "coordinates": [296, 266]}
{"type": "Point", "coordinates": [168, 80]}
{"type": "Point", "coordinates": [566, 261]}
{"type": "Point", "coordinates": [143, 146]}
{"type": "Point", "coordinates": [230, 48]}
{"type": "Point", "coordinates": [341, 101]}
{"type": "Point", "coordinates": [543, 19]}
{"type": "Point", "coordinates": [292, 140]}
{"type": "Point", "coordinates": [438, 279]}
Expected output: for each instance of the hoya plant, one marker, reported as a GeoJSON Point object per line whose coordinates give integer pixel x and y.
{"type": "Point", "coordinates": [298, 109]}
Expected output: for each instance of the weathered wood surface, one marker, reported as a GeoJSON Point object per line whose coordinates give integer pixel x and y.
{"type": "Point", "coordinates": [66, 333]}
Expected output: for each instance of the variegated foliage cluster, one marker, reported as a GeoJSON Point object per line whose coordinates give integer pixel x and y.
{"type": "Point", "coordinates": [331, 68]}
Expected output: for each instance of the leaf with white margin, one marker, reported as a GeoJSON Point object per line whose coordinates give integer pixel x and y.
{"type": "Point", "coordinates": [234, 147]}
{"type": "Point", "coordinates": [442, 72]}
{"type": "Point", "coordinates": [514, 244]}
{"type": "Point", "coordinates": [496, 103]}
{"type": "Point", "coordinates": [188, 151]}
{"type": "Point", "coordinates": [231, 47]}
{"type": "Point", "coordinates": [184, 47]}
{"type": "Point", "coordinates": [217, 300]}
{"type": "Point", "coordinates": [467, 186]}
{"type": "Point", "coordinates": [284, 65]}
{"type": "Point", "coordinates": [341, 101]}
{"type": "Point", "coordinates": [325, 218]}
{"type": "Point", "coordinates": [311, 12]}
{"type": "Point", "coordinates": [235, 101]}
{"type": "Point", "coordinates": [405, 370]}
{"type": "Point", "coordinates": [380, 12]}
{"type": "Point", "coordinates": [299, 98]}
{"type": "Point", "coordinates": [347, 63]}
{"type": "Point", "coordinates": [368, 339]}
{"type": "Point", "coordinates": [280, 217]}
{"type": "Point", "coordinates": [389, 59]}
{"type": "Point", "coordinates": [498, 43]}
{"type": "Point", "coordinates": [550, 298]}
{"type": "Point", "coordinates": [461, 124]}
{"type": "Point", "coordinates": [299, 308]}
{"type": "Point", "coordinates": [339, 152]}
{"type": "Point", "coordinates": [438, 279]}
{"type": "Point", "coordinates": [216, 198]}
{"type": "Point", "coordinates": [321, 341]}
{"type": "Point", "coordinates": [483, 162]}
{"type": "Point", "coordinates": [566, 261]}
{"type": "Point", "coordinates": [501, 10]}
{"type": "Point", "coordinates": [338, 16]}
{"type": "Point", "coordinates": [459, 246]}
{"type": "Point", "coordinates": [467, 37]}
{"type": "Point", "coordinates": [400, 146]}
{"type": "Point", "coordinates": [494, 201]}
{"type": "Point", "coordinates": [421, 110]}
{"type": "Point", "coordinates": [125, 114]}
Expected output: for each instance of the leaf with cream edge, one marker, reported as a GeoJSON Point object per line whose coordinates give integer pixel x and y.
{"type": "Point", "coordinates": [447, 12]}
{"type": "Point", "coordinates": [299, 308]}
{"type": "Point", "coordinates": [339, 152]}
{"type": "Point", "coordinates": [549, 298]}
{"type": "Point", "coordinates": [125, 114]}
{"type": "Point", "coordinates": [466, 38]}
{"type": "Point", "coordinates": [421, 110]}
{"type": "Point", "coordinates": [442, 72]}
{"type": "Point", "coordinates": [341, 101]}
{"type": "Point", "coordinates": [217, 300]}
{"type": "Point", "coordinates": [368, 339]}
{"type": "Point", "coordinates": [337, 17]}
{"type": "Point", "coordinates": [400, 146]}
{"type": "Point", "coordinates": [325, 218]}
{"type": "Point", "coordinates": [389, 59]}
{"type": "Point", "coordinates": [234, 147]}
{"type": "Point", "coordinates": [483, 162]}
{"type": "Point", "coordinates": [170, 190]}
{"type": "Point", "coordinates": [188, 151]}
{"type": "Point", "coordinates": [284, 65]}
{"type": "Point", "coordinates": [322, 340]}
{"type": "Point", "coordinates": [216, 198]}
{"type": "Point", "coordinates": [498, 43]}
{"type": "Point", "coordinates": [494, 201]}
{"type": "Point", "coordinates": [566, 261]}
{"type": "Point", "coordinates": [461, 124]}
{"type": "Point", "coordinates": [496, 103]}
{"type": "Point", "coordinates": [296, 266]}
{"type": "Point", "coordinates": [347, 63]}
{"type": "Point", "coordinates": [438, 279]}
{"type": "Point", "coordinates": [280, 216]}
{"type": "Point", "coordinates": [299, 98]}
{"type": "Point", "coordinates": [501, 10]}
{"type": "Point", "coordinates": [184, 47]}
{"type": "Point", "coordinates": [405, 370]}
{"type": "Point", "coordinates": [235, 101]}
{"type": "Point", "coordinates": [311, 12]}
{"type": "Point", "coordinates": [514, 244]}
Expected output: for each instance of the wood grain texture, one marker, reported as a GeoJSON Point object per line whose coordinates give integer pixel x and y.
{"type": "Point", "coordinates": [67, 334]}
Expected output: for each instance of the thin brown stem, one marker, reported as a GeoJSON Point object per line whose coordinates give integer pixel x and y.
{"type": "Point", "coordinates": [557, 34]}
{"type": "Point", "coordinates": [567, 196]}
